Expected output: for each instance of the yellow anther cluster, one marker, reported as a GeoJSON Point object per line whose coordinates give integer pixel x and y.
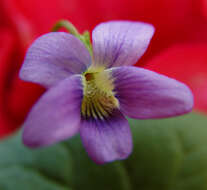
{"type": "Point", "coordinates": [99, 100]}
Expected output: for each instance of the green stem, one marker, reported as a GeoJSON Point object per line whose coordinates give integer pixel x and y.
{"type": "Point", "coordinates": [85, 37]}
{"type": "Point", "coordinates": [67, 25]}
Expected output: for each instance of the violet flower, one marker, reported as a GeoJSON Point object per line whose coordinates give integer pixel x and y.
{"type": "Point", "coordinates": [91, 95]}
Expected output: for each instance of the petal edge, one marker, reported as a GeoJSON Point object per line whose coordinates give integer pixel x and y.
{"type": "Point", "coordinates": [117, 43]}
{"type": "Point", "coordinates": [106, 141]}
{"type": "Point", "coordinates": [54, 57]}
{"type": "Point", "coordinates": [56, 115]}
{"type": "Point", "coordinates": [144, 94]}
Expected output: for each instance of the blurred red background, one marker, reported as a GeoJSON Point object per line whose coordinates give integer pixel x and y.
{"type": "Point", "coordinates": [178, 49]}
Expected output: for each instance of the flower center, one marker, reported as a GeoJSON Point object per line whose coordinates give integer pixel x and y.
{"type": "Point", "coordinates": [99, 100]}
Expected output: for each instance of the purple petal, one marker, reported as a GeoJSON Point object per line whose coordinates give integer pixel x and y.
{"type": "Point", "coordinates": [53, 57]}
{"type": "Point", "coordinates": [117, 43]}
{"type": "Point", "coordinates": [56, 116]}
{"type": "Point", "coordinates": [144, 94]}
{"type": "Point", "coordinates": [108, 140]}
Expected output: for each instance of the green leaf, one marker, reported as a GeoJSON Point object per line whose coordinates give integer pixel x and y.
{"type": "Point", "coordinates": [54, 162]}
{"type": "Point", "coordinates": [64, 163]}
{"type": "Point", "coordinates": [169, 154]}
{"type": "Point", "coordinates": [19, 178]}
{"type": "Point", "coordinates": [89, 175]}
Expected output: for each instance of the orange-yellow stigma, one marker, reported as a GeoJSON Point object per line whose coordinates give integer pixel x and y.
{"type": "Point", "coordinates": [89, 76]}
